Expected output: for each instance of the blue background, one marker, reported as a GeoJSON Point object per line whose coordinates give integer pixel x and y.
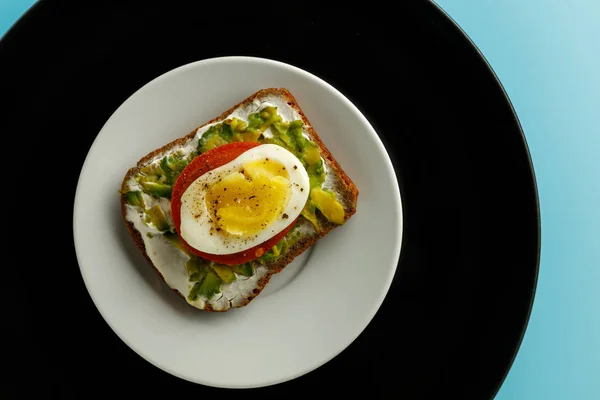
{"type": "Point", "coordinates": [547, 55]}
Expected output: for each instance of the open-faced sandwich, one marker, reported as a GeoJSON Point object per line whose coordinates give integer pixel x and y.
{"type": "Point", "coordinates": [221, 210]}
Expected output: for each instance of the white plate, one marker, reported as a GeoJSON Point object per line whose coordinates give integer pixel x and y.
{"type": "Point", "coordinates": [308, 313]}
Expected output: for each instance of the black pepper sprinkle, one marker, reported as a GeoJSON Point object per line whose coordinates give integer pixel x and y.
{"type": "Point", "coordinates": [302, 189]}
{"type": "Point", "coordinates": [285, 216]}
{"type": "Point", "coordinates": [295, 167]}
{"type": "Point", "coordinates": [224, 189]}
{"type": "Point", "coordinates": [251, 197]}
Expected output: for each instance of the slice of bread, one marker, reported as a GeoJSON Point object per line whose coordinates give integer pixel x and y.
{"type": "Point", "coordinates": [336, 181]}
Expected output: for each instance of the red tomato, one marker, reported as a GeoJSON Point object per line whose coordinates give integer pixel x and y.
{"type": "Point", "coordinates": [199, 166]}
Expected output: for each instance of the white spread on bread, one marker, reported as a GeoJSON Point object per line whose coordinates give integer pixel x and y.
{"type": "Point", "coordinates": [169, 260]}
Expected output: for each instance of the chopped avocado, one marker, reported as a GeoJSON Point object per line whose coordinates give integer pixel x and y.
{"type": "Point", "coordinates": [157, 189]}
{"type": "Point", "coordinates": [211, 285]}
{"type": "Point", "coordinates": [276, 251]}
{"type": "Point", "coordinates": [193, 154]}
{"type": "Point", "coordinates": [176, 164]}
{"type": "Point", "coordinates": [244, 269]}
{"type": "Point", "coordinates": [167, 173]}
{"type": "Point", "coordinates": [164, 171]}
{"type": "Point", "coordinates": [195, 291]}
{"type": "Point", "coordinates": [171, 167]}
{"type": "Point", "coordinates": [274, 140]}
{"type": "Point", "coordinates": [211, 138]}
{"type": "Point", "coordinates": [268, 255]}
{"type": "Point", "coordinates": [282, 246]}
{"type": "Point", "coordinates": [290, 143]}
{"type": "Point", "coordinates": [326, 202]}
{"type": "Point", "coordinates": [237, 125]}
{"type": "Point", "coordinates": [157, 217]}
{"type": "Point", "coordinates": [269, 116]}
{"type": "Point", "coordinates": [297, 125]}
{"type": "Point", "coordinates": [195, 268]}
{"type": "Point", "coordinates": [280, 127]}
{"type": "Point", "coordinates": [260, 121]}
{"type": "Point", "coordinates": [254, 122]}
{"type": "Point", "coordinates": [316, 174]}
{"type": "Point", "coordinates": [153, 170]}
{"type": "Point", "coordinates": [311, 154]}
{"type": "Point", "coordinates": [295, 132]}
{"type": "Point", "coordinates": [207, 287]}
{"type": "Point", "coordinates": [309, 212]}
{"type": "Point", "coordinates": [224, 272]}
{"type": "Point", "coordinates": [134, 198]}
{"type": "Point", "coordinates": [226, 132]}
{"type": "Point", "coordinates": [250, 136]}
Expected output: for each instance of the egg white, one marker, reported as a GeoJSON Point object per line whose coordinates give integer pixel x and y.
{"type": "Point", "coordinates": [195, 217]}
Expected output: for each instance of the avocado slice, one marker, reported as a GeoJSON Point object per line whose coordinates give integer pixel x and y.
{"type": "Point", "coordinates": [211, 285]}
{"type": "Point", "coordinates": [134, 198]}
{"type": "Point", "coordinates": [243, 269]}
{"type": "Point", "coordinates": [195, 291]}
{"type": "Point", "coordinates": [225, 273]}
{"type": "Point", "coordinates": [309, 212]}
{"type": "Point", "coordinates": [195, 268]}
{"type": "Point", "coordinates": [157, 189]}
{"type": "Point", "coordinates": [157, 217]}
{"type": "Point", "coordinates": [208, 286]}
{"type": "Point", "coordinates": [211, 138]}
{"type": "Point", "coordinates": [326, 202]}
{"type": "Point", "coordinates": [316, 174]}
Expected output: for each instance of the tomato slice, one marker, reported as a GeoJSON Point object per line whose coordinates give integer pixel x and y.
{"type": "Point", "coordinates": [199, 166]}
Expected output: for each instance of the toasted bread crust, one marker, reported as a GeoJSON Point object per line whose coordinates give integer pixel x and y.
{"type": "Point", "coordinates": [347, 192]}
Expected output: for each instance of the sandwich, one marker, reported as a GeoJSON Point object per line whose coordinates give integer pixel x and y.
{"type": "Point", "coordinates": [219, 211]}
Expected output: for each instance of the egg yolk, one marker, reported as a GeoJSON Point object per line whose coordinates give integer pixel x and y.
{"type": "Point", "coordinates": [248, 201]}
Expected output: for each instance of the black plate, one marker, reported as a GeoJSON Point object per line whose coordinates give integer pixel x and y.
{"type": "Point", "coordinates": [455, 315]}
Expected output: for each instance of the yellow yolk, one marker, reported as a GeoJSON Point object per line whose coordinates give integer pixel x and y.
{"type": "Point", "coordinates": [266, 167]}
{"type": "Point", "coordinates": [245, 202]}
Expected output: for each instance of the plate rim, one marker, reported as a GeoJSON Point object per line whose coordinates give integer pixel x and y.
{"type": "Point", "coordinates": [517, 123]}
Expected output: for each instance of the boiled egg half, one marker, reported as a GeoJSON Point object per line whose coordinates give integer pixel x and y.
{"type": "Point", "coordinates": [245, 202]}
